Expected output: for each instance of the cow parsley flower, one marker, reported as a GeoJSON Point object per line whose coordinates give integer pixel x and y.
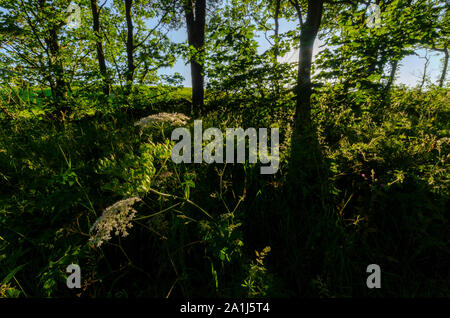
{"type": "Point", "coordinates": [176, 119]}
{"type": "Point", "coordinates": [117, 218]}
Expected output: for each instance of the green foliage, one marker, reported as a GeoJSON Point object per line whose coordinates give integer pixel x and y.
{"type": "Point", "coordinates": [388, 174]}
{"type": "Point", "coordinates": [219, 230]}
{"type": "Point", "coordinates": [358, 56]}
{"type": "Point", "coordinates": [133, 175]}
{"type": "Point", "coordinates": [258, 281]}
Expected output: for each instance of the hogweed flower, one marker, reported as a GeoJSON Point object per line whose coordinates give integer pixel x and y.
{"type": "Point", "coordinates": [175, 119]}
{"type": "Point", "coordinates": [117, 218]}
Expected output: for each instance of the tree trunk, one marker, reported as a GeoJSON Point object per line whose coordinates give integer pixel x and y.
{"type": "Point", "coordinates": [425, 68]}
{"type": "Point", "coordinates": [57, 81]}
{"type": "Point", "coordinates": [59, 90]}
{"type": "Point", "coordinates": [195, 11]}
{"type": "Point", "coordinates": [130, 46]}
{"type": "Point", "coordinates": [394, 67]}
{"type": "Point", "coordinates": [307, 37]}
{"type": "Point", "coordinates": [304, 227]}
{"type": "Point", "coordinates": [99, 47]}
{"type": "Point", "coordinates": [305, 163]}
{"type": "Point", "coordinates": [444, 70]}
{"type": "Point", "coordinates": [277, 46]}
{"type": "Point", "coordinates": [277, 29]}
{"type": "Point", "coordinates": [306, 178]}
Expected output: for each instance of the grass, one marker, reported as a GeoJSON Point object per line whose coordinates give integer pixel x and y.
{"type": "Point", "coordinates": [198, 226]}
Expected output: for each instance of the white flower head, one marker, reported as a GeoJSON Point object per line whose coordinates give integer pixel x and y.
{"type": "Point", "coordinates": [117, 218]}
{"type": "Point", "coordinates": [175, 119]}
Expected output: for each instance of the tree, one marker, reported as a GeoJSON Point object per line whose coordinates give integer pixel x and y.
{"type": "Point", "coordinates": [130, 46]}
{"type": "Point", "coordinates": [444, 66]}
{"type": "Point", "coordinates": [276, 18]}
{"type": "Point", "coordinates": [309, 29]}
{"type": "Point", "coordinates": [195, 14]}
{"type": "Point", "coordinates": [35, 36]}
{"type": "Point", "coordinates": [441, 42]}
{"type": "Point", "coordinates": [99, 46]}
{"type": "Point", "coordinates": [305, 157]}
{"type": "Point", "coordinates": [365, 57]}
{"type": "Point", "coordinates": [136, 44]}
{"type": "Point", "coordinates": [306, 178]}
